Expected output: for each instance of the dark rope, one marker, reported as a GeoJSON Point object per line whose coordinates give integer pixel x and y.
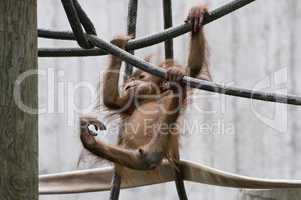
{"type": "Point", "coordinates": [167, 13]}
{"type": "Point", "coordinates": [142, 42]}
{"type": "Point", "coordinates": [58, 35]}
{"type": "Point", "coordinates": [71, 8]}
{"type": "Point", "coordinates": [66, 35]}
{"type": "Point", "coordinates": [70, 52]}
{"type": "Point", "coordinates": [84, 19]}
{"type": "Point", "coordinates": [168, 47]}
{"type": "Point", "coordinates": [131, 30]}
{"type": "Point", "coordinates": [193, 82]}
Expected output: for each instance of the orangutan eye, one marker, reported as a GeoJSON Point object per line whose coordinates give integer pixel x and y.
{"type": "Point", "coordinates": [141, 76]}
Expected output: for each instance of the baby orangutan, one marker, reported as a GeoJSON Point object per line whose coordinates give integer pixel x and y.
{"type": "Point", "coordinates": [152, 106]}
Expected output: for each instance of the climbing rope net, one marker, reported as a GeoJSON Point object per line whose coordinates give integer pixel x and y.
{"type": "Point", "coordinates": [83, 31]}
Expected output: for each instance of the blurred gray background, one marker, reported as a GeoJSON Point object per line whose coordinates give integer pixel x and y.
{"type": "Point", "coordinates": [257, 47]}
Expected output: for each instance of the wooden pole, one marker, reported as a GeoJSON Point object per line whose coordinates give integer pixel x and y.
{"type": "Point", "coordinates": [18, 128]}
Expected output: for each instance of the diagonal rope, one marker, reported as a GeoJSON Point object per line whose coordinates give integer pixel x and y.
{"type": "Point", "coordinates": [137, 43]}
{"type": "Point", "coordinates": [77, 17]}
{"type": "Point", "coordinates": [84, 19]}
{"type": "Point", "coordinates": [193, 82]}
{"type": "Point", "coordinates": [168, 34]}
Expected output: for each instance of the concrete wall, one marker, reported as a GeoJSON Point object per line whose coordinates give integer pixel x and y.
{"type": "Point", "coordinates": [257, 48]}
{"type": "Point", "coordinates": [270, 195]}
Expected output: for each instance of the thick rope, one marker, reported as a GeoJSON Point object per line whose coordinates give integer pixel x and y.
{"type": "Point", "coordinates": [137, 43]}
{"type": "Point", "coordinates": [167, 13]}
{"type": "Point", "coordinates": [131, 30]}
{"type": "Point", "coordinates": [193, 82]}
{"type": "Point", "coordinates": [77, 17]}
{"type": "Point", "coordinates": [84, 19]}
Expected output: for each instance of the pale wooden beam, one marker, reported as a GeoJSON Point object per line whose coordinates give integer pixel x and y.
{"type": "Point", "coordinates": [18, 128]}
